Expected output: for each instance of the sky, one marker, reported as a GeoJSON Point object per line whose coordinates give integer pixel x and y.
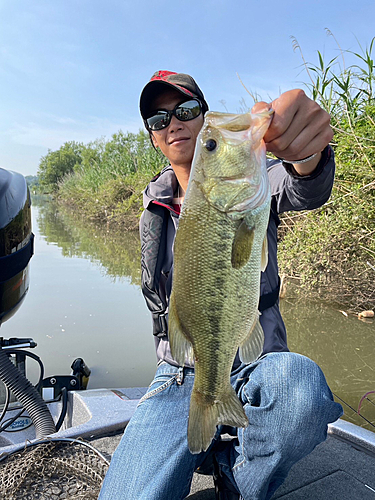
{"type": "Point", "coordinates": [73, 70]}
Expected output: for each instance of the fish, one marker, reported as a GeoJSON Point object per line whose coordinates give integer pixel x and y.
{"type": "Point", "coordinates": [220, 249]}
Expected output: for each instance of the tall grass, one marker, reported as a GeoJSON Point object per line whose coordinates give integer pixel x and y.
{"type": "Point", "coordinates": [331, 251]}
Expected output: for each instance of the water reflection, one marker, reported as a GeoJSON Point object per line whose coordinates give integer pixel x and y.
{"type": "Point", "coordinates": [342, 346]}
{"type": "Point", "coordinates": [116, 251]}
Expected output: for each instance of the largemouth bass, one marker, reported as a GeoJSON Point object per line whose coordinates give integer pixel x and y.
{"type": "Point", "coordinates": [219, 252]}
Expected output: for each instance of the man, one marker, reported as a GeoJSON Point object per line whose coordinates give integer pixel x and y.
{"type": "Point", "coordinates": [285, 395]}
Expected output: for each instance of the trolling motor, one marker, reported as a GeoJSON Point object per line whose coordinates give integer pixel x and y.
{"type": "Point", "coordinates": [15, 380]}
{"type": "Point", "coordinates": [54, 388]}
{"type": "Point", "coordinates": [57, 461]}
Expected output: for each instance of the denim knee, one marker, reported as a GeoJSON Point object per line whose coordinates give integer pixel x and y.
{"type": "Point", "coordinates": [303, 381]}
{"type": "Point", "coordinates": [293, 391]}
{"type": "Point", "coordinates": [288, 404]}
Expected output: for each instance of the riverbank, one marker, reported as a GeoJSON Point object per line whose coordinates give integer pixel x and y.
{"type": "Point", "coordinates": [117, 203]}
{"type": "Point", "coordinates": [102, 180]}
{"type": "Point", "coordinates": [331, 250]}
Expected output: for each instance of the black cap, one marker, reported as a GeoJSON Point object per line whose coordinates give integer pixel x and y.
{"type": "Point", "coordinates": [178, 81]}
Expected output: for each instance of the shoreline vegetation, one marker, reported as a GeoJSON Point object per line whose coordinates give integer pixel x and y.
{"type": "Point", "coordinates": [328, 252]}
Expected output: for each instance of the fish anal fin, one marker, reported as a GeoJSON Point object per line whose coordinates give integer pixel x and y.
{"type": "Point", "coordinates": [242, 245]}
{"type": "Point", "coordinates": [205, 415]}
{"type": "Point", "coordinates": [181, 347]}
{"type": "Point", "coordinates": [264, 258]}
{"type": "Point", "coordinates": [252, 346]}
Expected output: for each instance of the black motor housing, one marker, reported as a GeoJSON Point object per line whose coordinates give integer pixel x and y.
{"type": "Point", "coordinates": [16, 242]}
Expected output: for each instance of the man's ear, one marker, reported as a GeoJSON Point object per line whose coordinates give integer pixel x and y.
{"type": "Point", "coordinates": [154, 141]}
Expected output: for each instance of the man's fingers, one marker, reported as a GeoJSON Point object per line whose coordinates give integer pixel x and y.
{"type": "Point", "coordinates": [297, 143]}
{"type": "Point", "coordinates": [260, 106]}
{"type": "Point", "coordinates": [299, 126]}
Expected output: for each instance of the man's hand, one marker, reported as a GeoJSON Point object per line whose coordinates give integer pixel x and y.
{"type": "Point", "coordinates": [299, 128]}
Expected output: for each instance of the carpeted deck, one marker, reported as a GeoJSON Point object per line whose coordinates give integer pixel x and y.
{"type": "Point", "coordinates": [335, 470]}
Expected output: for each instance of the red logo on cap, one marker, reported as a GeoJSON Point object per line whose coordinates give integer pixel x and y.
{"type": "Point", "coordinates": [162, 75]}
{"type": "Point", "coordinates": [165, 76]}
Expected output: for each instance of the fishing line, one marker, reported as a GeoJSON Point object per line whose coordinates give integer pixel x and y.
{"type": "Point", "coordinates": [355, 411]}
{"type": "Point", "coordinates": [363, 398]}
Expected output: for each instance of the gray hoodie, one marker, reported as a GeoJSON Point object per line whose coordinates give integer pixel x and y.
{"type": "Point", "coordinates": [289, 192]}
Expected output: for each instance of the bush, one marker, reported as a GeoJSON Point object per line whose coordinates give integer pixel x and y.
{"type": "Point", "coordinates": [57, 164]}
{"type": "Point", "coordinates": [107, 184]}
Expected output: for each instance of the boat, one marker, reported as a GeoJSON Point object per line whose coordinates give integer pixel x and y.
{"type": "Point", "coordinates": [342, 467]}
{"type": "Point", "coordinates": [61, 414]}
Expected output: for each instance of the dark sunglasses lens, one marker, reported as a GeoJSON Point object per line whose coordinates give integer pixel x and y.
{"type": "Point", "coordinates": [188, 110]}
{"type": "Point", "coordinates": [158, 121]}
{"type": "Point", "coordinates": [184, 112]}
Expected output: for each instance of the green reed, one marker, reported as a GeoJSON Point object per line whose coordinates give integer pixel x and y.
{"type": "Point", "coordinates": [331, 251]}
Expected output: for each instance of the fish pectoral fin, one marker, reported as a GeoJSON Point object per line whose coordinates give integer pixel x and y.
{"type": "Point", "coordinates": [205, 415]}
{"type": "Point", "coordinates": [181, 347]}
{"type": "Point", "coordinates": [242, 245]}
{"type": "Point", "coordinates": [264, 258]}
{"type": "Point", "coordinates": [252, 346]}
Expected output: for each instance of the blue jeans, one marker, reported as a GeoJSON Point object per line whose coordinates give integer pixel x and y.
{"type": "Point", "coordinates": [287, 402]}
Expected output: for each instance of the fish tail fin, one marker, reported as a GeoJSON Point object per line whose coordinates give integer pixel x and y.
{"type": "Point", "coordinates": [205, 416]}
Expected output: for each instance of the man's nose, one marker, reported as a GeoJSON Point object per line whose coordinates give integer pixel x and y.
{"type": "Point", "coordinates": [175, 124]}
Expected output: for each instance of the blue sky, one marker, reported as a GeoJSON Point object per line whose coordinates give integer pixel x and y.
{"type": "Point", "coordinates": [74, 69]}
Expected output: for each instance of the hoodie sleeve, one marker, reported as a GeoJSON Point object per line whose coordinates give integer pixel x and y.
{"type": "Point", "coordinates": [291, 191]}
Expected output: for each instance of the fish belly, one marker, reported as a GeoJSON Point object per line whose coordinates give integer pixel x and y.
{"type": "Point", "coordinates": [213, 308]}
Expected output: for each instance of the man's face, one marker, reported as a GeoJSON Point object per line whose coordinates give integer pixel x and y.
{"type": "Point", "coordinates": [177, 140]}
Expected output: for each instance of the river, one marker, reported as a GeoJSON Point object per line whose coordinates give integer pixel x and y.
{"type": "Point", "coordinates": [85, 301]}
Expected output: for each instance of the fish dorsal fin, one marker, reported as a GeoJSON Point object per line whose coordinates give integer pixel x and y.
{"type": "Point", "coordinates": [264, 260]}
{"type": "Point", "coordinates": [242, 245]}
{"type": "Point", "coordinates": [252, 346]}
{"type": "Point", "coordinates": [181, 347]}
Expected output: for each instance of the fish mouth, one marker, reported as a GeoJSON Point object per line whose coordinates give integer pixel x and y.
{"type": "Point", "coordinates": [235, 122]}
{"type": "Point", "coordinates": [236, 128]}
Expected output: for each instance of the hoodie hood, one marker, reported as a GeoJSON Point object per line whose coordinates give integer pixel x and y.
{"type": "Point", "coordinates": [162, 188]}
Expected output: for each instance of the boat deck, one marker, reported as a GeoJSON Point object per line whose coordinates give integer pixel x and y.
{"type": "Point", "coordinates": [336, 470]}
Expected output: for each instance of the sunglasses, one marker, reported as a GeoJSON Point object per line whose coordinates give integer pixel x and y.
{"type": "Point", "coordinates": [184, 112]}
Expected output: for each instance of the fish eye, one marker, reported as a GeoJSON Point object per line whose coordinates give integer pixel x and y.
{"type": "Point", "coordinates": [210, 144]}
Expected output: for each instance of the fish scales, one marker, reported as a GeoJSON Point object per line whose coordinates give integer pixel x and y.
{"type": "Point", "coordinates": [219, 250]}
